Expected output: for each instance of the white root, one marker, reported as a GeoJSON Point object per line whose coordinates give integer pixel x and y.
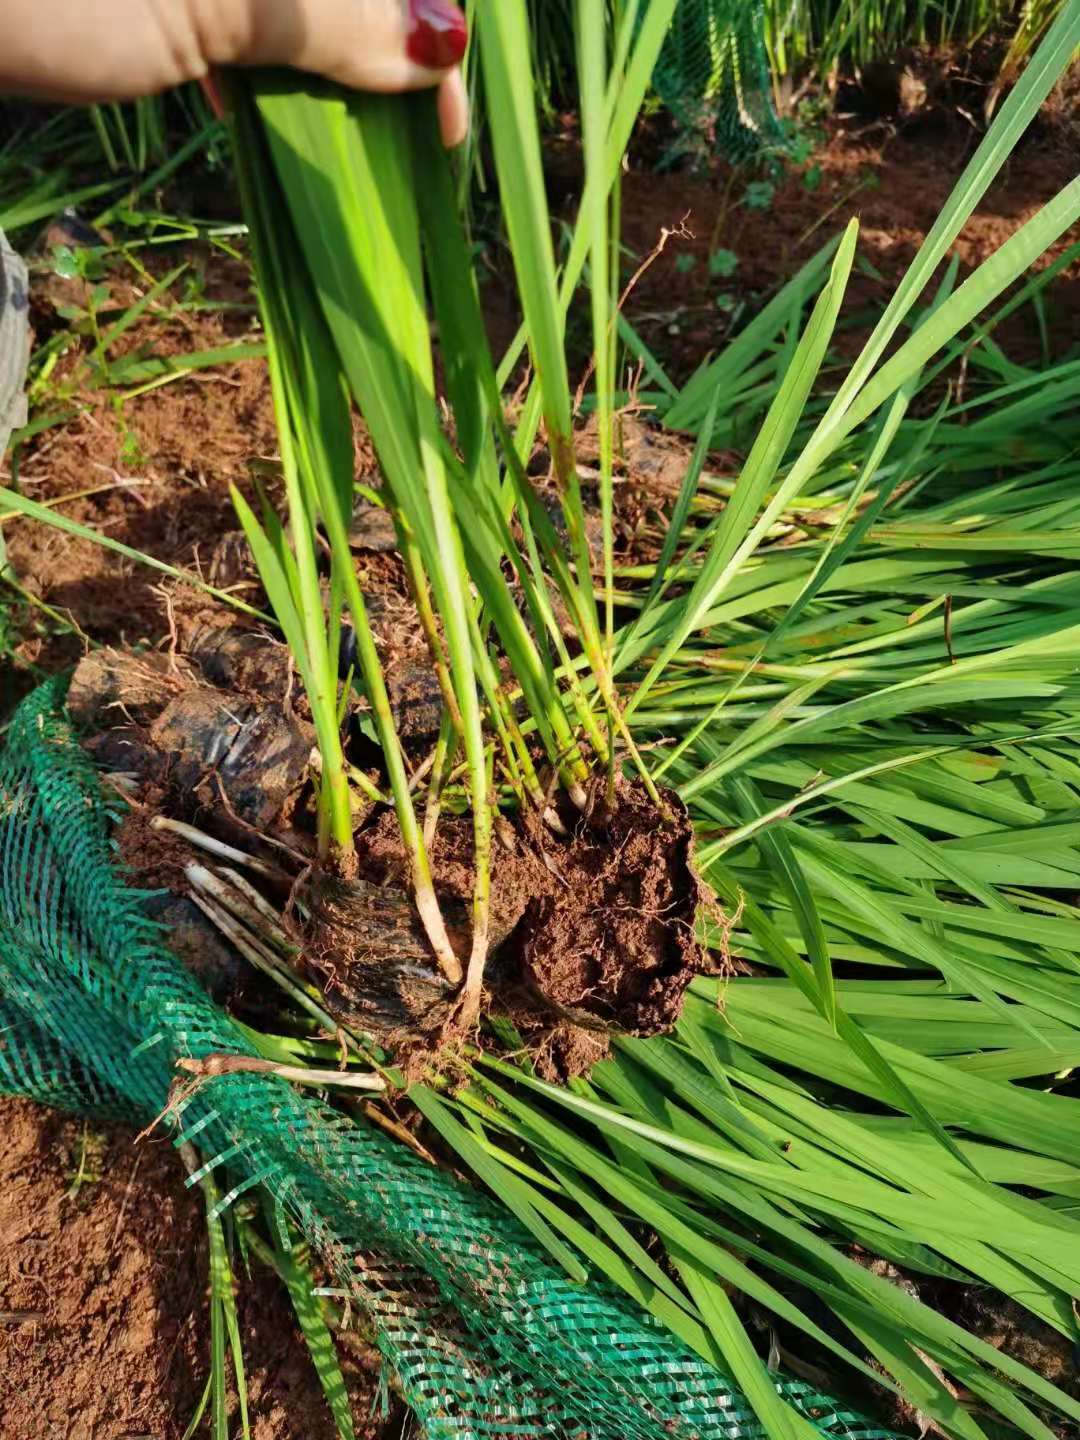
{"type": "Point", "coordinates": [238, 905]}
{"type": "Point", "coordinates": [209, 1067]}
{"type": "Point", "coordinates": [256, 898]}
{"type": "Point", "coordinates": [474, 980]}
{"type": "Point", "coordinates": [202, 841]}
{"type": "Point", "coordinates": [431, 918]}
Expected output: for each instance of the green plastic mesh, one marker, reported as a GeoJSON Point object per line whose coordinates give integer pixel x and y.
{"type": "Point", "coordinates": [713, 75]}
{"type": "Point", "coordinates": [484, 1335]}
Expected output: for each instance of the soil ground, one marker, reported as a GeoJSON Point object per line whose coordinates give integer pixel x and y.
{"type": "Point", "coordinates": [103, 1320]}
{"type": "Point", "coordinates": [102, 1328]}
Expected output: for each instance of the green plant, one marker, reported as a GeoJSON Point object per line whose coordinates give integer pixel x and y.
{"type": "Point", "coordinates": [759, 195]}
{"type": "Point", "coordinates": [837, 710]}
{"type": "Point", "coordinates": [349, 172]}
{"type": "Point", "coordinates": [819, 707]}
{"type": "Point", "coordinates": [723, 263]}
{"type": "Point", "coordinates": [88, 1166]}
{"type": "Point", "coordinates": [45, 158]}
{"type": "Point", "coordinates": [293, 1268]}
{"type": "Point", "coordinates": [132, 136]}
{"type": "Point", "coordinates": [824, 35]}
{"type": "Point", "coordinates": [743, 707]}
{"type": "Point", "coordinates": [1036, 17]}
{"type": "Point", "coordinates": [227, 1368]}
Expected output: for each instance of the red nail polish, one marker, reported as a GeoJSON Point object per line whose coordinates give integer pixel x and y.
{"type": "Point", "coordinates": [438, 35]}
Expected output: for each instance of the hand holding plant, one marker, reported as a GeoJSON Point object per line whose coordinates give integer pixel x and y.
{"type": "Point", "coordinates": [95, 50]}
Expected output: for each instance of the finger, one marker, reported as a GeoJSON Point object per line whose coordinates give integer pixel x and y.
{"type": "Point", "coordinates": [212, 91]}
{"type": "Point", "coordinates": [454, 109]}
{"type": "Point", "coordinates": [437, 34]}
{"type": "Point", "coordinates": [384, 45]}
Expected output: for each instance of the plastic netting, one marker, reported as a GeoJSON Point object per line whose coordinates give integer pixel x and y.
{"type": "Point", "coordinates": [484, 1335]}
{"type": "Point", "coordinates": [713, 75]}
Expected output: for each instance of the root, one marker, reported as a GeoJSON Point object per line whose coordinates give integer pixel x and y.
{"type": "Point", "coordinates": [210, 1067]}
{"type": "Point", "coordinates": [202, 841]}
{"type": "Point", "coordinates": [468, 1011]}
{"type": "Point", "coordinates": [431, 918]}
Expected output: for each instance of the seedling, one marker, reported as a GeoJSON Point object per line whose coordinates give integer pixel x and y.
{"type": "Point", "coordinates": [723, 264]}
{"type": "Point", "coordinates": [759, 194]}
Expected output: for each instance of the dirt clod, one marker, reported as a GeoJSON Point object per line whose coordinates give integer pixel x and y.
{"type": "Point", "coordinates": [613, 942]}
{"type": "Point", "coordinates": [197, 944]}
{"type": "Point", "coordinates": [244, 661]}
{"type": "Point", "coordinates": [155, 717]}
{"type": "Point", "coordinates": [259, 756]}
{"type": "Point", "coordinates": [415, 702]}
{"type": "Point", "coordinates": [111, 686]}
{"type": "Point", "coordinates": [372, 529]}
{"type": "Point", "coordinates": [367, 951]}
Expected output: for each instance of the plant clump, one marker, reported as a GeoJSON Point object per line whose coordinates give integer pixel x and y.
{"type": "Point", "coordinates": [592, 914]}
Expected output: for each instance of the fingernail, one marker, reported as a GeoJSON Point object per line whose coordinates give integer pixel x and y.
{"type": "Point", "coordinates": [213, 94]}
{"type": "Point", "coordinates": [438, 35]}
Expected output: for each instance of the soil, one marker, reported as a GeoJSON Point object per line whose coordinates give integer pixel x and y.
{"type": "Point", "coordinates": [102, 1314]}
{"type": "Point", "coordinates": [103, 1328]}
{"type": "Point", "coordinates": [613, 941]}
{"type": "Point", "coordinates": [893, 174]}
{"type": "Point", "coordinates": [592, 931]}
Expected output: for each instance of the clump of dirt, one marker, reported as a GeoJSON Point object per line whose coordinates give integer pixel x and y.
{"type": "Point", "coordinates": [592, 932]}
{"type": "Point", "coordinates": [613, 940]}
{"type": "Point", "coordinates": [103, 1318]}
{"type": "Point", "coordinates": [518, 873]}
{"type": "Point", "coordinates": [561, 1052]}
{"type": "Point", "coordinates": [367, 951]}
{"type": "Point", "coordinates": [259, 754]}
{"type": "Point", "coordinates": [158, 720]}
{"type": "Point", "coordinates": [1008, 1327]}
{"type": "Point", "coordinates": [198, 945]}
{"type": "Point", "coordinates": [113, 687]}
{"type": "Point", "coordinates": [415, 702]}
{"type": "Point", "coordinates": [244, 661]}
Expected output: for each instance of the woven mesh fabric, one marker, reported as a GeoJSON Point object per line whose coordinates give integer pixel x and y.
{"type": "Point", "coordinates": [713, 75]}
{"type": "Point", "coordinates": [485, 1336]}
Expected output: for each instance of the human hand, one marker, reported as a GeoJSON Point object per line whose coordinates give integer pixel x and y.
{"type": "Point", "coordinates": [93, 50]}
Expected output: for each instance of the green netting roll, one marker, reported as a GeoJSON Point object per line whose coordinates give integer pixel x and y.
{"type": "Point", "coordinates": [713, 75]}
{"type": "Point", "coordinates": [485, 1336]}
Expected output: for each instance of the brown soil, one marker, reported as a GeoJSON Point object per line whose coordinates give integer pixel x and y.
{"type": "Point", "coordinates": [613, 941]}
{"type": "Point", "coordinates": [162, 472]}
{"type": "Point", "coordinates": [592, 931]}
{"type": "Point", "coordinates": [894, 177]}
{"type": "Point", "coordinates": [103, 1328]}
{"type": "Point", "coordinates": [1008, 1327]}
{"type": "Point", "coordinates": [155, 859]}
